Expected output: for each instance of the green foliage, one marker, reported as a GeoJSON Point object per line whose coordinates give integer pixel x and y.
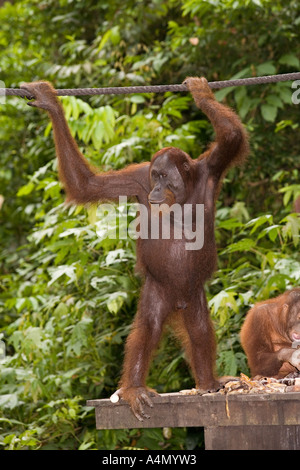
{"type": "Point", "coordinates": [68, 293]}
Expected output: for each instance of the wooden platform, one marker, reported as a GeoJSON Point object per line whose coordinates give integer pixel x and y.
{"type": "Point", "coordinates": [266, 421]}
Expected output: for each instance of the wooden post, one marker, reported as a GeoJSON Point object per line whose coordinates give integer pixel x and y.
{"type": "Point", "coordinates": [234, 422]}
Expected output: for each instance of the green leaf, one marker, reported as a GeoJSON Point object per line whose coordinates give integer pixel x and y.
{"type": "Point", "coordinates": [137, 99]}
{"type": "Point", "coordinates": [272, 232]}
{"type": "Point", "coordinates": [292, 228]}
{"type": "Point", "coordinates": [290, 59]}
{"type": "Point", "coordinates": [9, 400]}
{"type": "Point", "coordinates": [243, 245]}
{"type": "Point", "coordinates": [27, 189]}
{"type": "Point", "coordinates": [79, 338]}
{"type": "Point", "coordinates": [229, 224]}
{"type": "Point", "coordinates": [274, 100]}
{"type": "Point", "coordinates": [269, 112]}
{"type": "Point", "coordinates": [266, 69]}
{"type": "Point", "coordinates": [258, 221]}
{"type": "Point", "coordinates": [285, 92]}
{"type": "Point", "coordinates": [245, 107]}
{"type": "Point", "coordinates": [92, 214]}
{"type": "Point", "coordinates": [228, 359]}
{"type": "Point", "coordinates": [112, 34]}
{"type": "Point", "coordinates": [56, 273]}
{"type": "Point", "coordinates": [116, 301]}
{"type": "Point", "coordinates": [98, 135]}
{"type": "Point", "coordinates": [221, 94]}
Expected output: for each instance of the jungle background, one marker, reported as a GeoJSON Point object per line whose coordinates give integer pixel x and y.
{"type": "Point", "coordinates": [68, 294]}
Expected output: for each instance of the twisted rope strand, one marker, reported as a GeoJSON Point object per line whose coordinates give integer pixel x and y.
{"type": "Point", "coordinates": [157, 88]}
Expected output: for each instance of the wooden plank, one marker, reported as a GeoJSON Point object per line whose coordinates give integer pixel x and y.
{"type": "Point", "coordinates": [178, 410]}
{"type": "Point", "coordinates": [253, 438]}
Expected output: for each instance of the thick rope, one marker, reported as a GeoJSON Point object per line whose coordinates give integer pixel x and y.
{"type": "Point", "coordinates": [157, 88]}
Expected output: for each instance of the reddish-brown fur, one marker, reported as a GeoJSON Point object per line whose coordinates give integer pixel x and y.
{"type": "Point", "coordinates": [267, 335]}
{"type": "Point", "coordinates": [174, 276]}
{"type": "Point", "coordinates": [297, 205]}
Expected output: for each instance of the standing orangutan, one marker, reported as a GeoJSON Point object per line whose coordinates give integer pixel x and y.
{"type": "Point", "coordinates": [174, 275]}
{"type": "Point", "coordinates": [270, 331]}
